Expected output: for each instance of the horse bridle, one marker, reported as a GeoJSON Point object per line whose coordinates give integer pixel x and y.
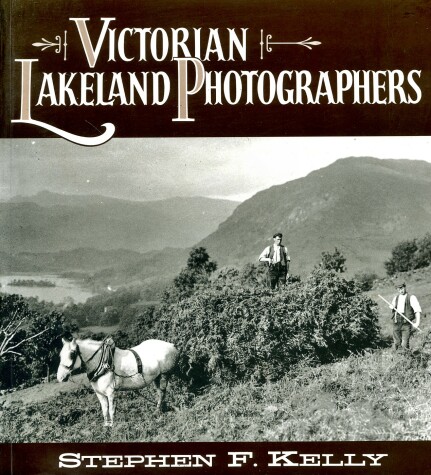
{"type": "Point", "coordinates": [103, 365]}
{"type": "Point", "coordinates": [74, 355]}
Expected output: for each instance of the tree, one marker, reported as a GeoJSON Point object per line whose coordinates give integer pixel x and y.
{"type": "Point", "coordinates": [423, 254]}
{"type": "Point", "coordinates": [14, 317]}
{"type": "Point", "coordinates": [29, 340]}
{"type": "Point", "coordinates": [199, 261]}
{"type": "Point", "coordinates": [334, 261]}
{"type": "Point", "coordinates": [42, 350]}
{"type": "Point", "coordinates": [409, 255]}
{"type": "Point", "coordinates": [198, 270]}
{"type": "Point", "coordinates": [402, 258]}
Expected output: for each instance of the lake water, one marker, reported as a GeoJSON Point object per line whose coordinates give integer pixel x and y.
{"type": "Point", "coordinates": [64, 288]}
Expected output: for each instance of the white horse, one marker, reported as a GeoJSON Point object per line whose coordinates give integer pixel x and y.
{"type": "Point", "coordinates": [110, 369]}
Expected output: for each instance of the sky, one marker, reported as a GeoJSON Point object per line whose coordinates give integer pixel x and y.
{"type": "Point", "coordinates": [158, 168]}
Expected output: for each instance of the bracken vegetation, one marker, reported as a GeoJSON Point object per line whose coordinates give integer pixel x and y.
{"type": "Point", "coordinates": [306, 362]}
{"type": "Point", "coordinates": [237, 333]}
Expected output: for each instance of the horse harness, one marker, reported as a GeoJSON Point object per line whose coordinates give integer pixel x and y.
{"type": "Point", "coordinates": [106, 361]}
{"type": "Point", "coordinates": [138, 362]}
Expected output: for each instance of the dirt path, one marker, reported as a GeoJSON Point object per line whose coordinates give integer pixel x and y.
{"type": "Point", "coordinates": [43, 392]}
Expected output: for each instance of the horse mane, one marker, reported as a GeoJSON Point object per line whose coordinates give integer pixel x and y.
{"type": "Point", "coordinates": [69, 338]}
{"type": "Point", "coordinates": [107, 340]}
{"type": "Point", "coordinates": [89, 339]}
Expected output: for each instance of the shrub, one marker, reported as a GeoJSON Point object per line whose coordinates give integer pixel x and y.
{"type": "Point", "coordinates": [197, 273]}
{"type": "Point", "coordinates": [29, 341]}
{"type": "Point", "coordinates": [110, 316]}
{"type": "Point", "coordinates": [93, 311]}
{"type": "Point", "coordinates": [142, 327]}
{"type": "Point", "coordinates": [333, 261]}
{"type": "Point", "coordinates": [409, 255]}
{"type": "Point", "coordinates": [402, 257]}
{"type": "Point", "coordinates": [422, 257]}
{"type": "Point", "coordinates": [122, 339]}
{"type": "Point", "coordinates": [237, 333]}
{"type": "Point", "coordinates": [42, 352]}
{"type": "Point", "coordinates": [366, 280]}
{"type": "Point", "coordinates": [13, 371]}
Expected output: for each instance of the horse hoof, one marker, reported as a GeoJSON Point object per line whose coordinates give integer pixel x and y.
{"type": "Point", "coordinates": [108, 424]}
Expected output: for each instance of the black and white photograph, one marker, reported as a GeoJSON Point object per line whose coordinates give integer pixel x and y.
{"type": "Point", "coordinates": [215, 245]}
{"type": "Point", "coordinates": [239, 296]}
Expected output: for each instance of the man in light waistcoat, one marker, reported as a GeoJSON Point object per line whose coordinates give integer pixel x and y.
{"type": "Point", "coordinates": [278, 260]}
{"type": "Point", "coordinates": [408, 305]}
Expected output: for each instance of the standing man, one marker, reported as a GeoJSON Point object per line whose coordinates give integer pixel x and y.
{"type": "Point", "coordinates": [278, 260]}
{"type": "Point", "coordinates": [408, 305]}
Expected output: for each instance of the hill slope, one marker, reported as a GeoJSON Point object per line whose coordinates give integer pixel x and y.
{"type": "Point", "coordinates": [364, 206]}
{"type": "Point", "coordinates": [82, 259]}
{"type": "Point", "coordinates": [50, 222]}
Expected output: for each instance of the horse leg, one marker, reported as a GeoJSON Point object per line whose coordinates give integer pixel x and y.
{"type": "Point", "coordinates": [161, 383]}
{"type": "Point", "coordinates": [111, 407]}
{"type": "Point", "coordinates": [105, 408]}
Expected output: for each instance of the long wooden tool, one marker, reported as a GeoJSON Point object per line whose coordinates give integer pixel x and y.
{"type": "Point", "coordinates": [399, 313]}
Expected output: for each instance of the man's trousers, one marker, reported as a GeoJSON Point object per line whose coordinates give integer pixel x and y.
{"type": "Point", "coordinates": [277, 275]}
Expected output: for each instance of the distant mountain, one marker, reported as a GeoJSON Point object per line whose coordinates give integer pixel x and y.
{"type": "Point", "coordinates": [82, 260]}
{"type": "Point", "coordinates": [49, 222]}
{"type": "Point", "coordinates": [363, 206]}
{"type": "Point", "coordinates": [47, 199]}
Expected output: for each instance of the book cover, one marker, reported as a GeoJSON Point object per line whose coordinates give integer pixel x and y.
{"type": "Point", "coordinates": [153, 157]}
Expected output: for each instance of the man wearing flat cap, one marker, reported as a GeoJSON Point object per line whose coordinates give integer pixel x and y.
{"type": "Point", "coordinates": [408, 305]}
{"type": "Point", "coordinates": [278, 260]}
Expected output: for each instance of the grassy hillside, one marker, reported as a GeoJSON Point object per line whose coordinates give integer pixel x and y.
{"type": "Point", "coordinates": [377, 395]}
{"type": "Point", "coordinates": [418, 283]}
